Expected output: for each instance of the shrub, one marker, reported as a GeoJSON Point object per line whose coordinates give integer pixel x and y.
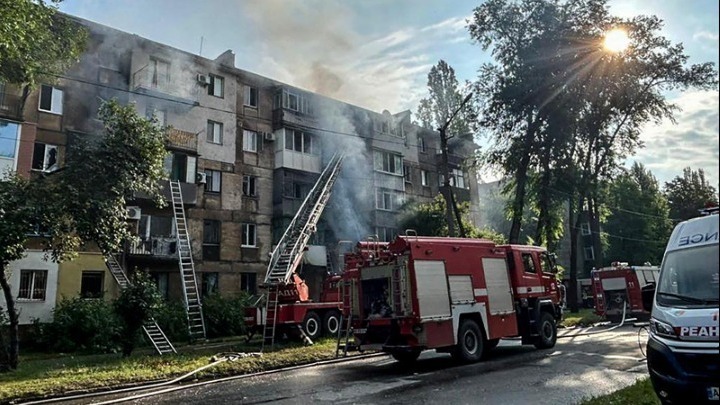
{"type": "Point", "coordinates": [172, 319]}
{"type": "Point", "coordinates": [82, 325]}
{"type": "Point", "coordinates": [224, 316]}
{"type": "Point", "coordinates": [137, 303]}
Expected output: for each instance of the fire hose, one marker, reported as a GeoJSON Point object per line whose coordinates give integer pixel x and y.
{"type": "Point", "coordinates": [622, 322]}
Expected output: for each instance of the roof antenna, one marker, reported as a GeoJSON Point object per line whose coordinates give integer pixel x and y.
{"type": "Point", "coordinates": [201, 44]}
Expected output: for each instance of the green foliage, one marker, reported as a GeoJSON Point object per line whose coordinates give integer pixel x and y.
{"type": "Point", "coordinates": [638, 225]}
{"type": "Point", "coordinates": [640, 393]}
{"type": "Point", "coordinates": [137, 303]}
{"type": "Point", "coordinates": [429, 220]}
{"type": "Point", "coordinates": [224, 316]}
{"type": "Point", "coordinates": [689, 193]}
{"type": "Point", "coordinates": [444, 98]}
{"type": "Point", "coordinates": [35, 42]}
{"type": "Point", "coordinates": [171, 316]}
{"type": "Point", "coordinates": [85, 325]}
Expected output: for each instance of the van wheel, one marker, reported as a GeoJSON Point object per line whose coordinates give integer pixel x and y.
{"type": "Point", "coordinates": [311, 325]}
{"type": "Point", "coordinates": [406, 357]}
{"type": "Point", "coordinates": [548, 332]}
{"type": "Point", "coordinates": [471, 342]}
{"type": "Point", "coordinates": [331, 323]}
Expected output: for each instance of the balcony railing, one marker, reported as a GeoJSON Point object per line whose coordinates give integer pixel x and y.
{"type": "Point", "coordinates": [182, 139]}
{"type": "Point", "coordinates": [156, 246]}
{"type": "Point", "coordinates": [149, 78]}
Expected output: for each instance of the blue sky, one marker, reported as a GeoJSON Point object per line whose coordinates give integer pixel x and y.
{"type": "Point", "coordinates": [377, 53]}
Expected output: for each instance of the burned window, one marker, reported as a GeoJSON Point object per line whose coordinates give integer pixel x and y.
{"type": "Point", "coordinates": [216, 87]}
{"type": "Point", "coordinates": [251, 96]}
{"type": "Point", "coordinates": [91, 285]}
{"type": "Point", "coordinates": [211, 239]}
{"type": "Point", "coordinates": [45, 157]}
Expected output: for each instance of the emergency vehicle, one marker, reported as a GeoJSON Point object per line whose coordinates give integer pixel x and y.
{"type": "Point", "coordinates": [454, 295]}
{"type": "Point", "coordinates": [618, 288]}
{"type": "Point", "coordinates": [683, 355]}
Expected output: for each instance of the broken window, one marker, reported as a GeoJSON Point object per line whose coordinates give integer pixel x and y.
{"type": "Point", "coordinates": [251, 96]}
{"type": "Point", "coordinates": [248, 235]}
{"type": "Point", "coordinates": [51, 99]}
{"type": "Point", "coordinates": [299, 141]}
{"type": "Point", "coordinates": [213, 180]}
{"type": "Point", "coordinates": [32, 285]}
{"type": "Point", "coordinates": [216, 87]}
{"type": "Point", "coordinates": [91, 284]}
{"type": "Point", "coordinates": [181, 167]}
{"type": "Point", "coordinates": [249, 186]}
{"type": "Point", "coordinates": [160, 71]}
{"type": "Point", "coordinates": [45, 157]}
{"type": "Point", "coordinates": [211, 239]}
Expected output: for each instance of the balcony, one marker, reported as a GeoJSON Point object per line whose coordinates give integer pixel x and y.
{"type": "Point", "coordinates": [184, 140]}
{"type": "Point", "coordinates": [157, 247]}
{"type": "Point", "coordinates": [189, 193]}
{"type": "Point", "coordinates": [10, 106]}
{"type": "Point", "coordinates": [147, 80]}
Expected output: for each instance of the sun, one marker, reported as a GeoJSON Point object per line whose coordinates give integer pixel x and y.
{"type": "Point", "coordinates": [616, 40]}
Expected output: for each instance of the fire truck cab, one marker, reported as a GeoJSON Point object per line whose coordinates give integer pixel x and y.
{"type": "Point", "coordinates": [455, 295]}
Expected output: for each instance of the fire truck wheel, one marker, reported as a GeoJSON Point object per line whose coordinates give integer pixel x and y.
{"type": "Point", "coordinates": [470, 342]}
{"type": "Point", "coordinates": [406, 357]}
{"type": "Point", "coordinates": [331, 323]}
{"type": "Point", "coordinates": [548, 332]}
{"type": "Point", "coordinates": [311, 325]}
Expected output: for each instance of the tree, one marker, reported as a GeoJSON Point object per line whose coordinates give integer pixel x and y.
{"type": "Point", "coordinates": [36, 43]}
{"type": "Point", "coordinates": [638, 225]}
{"type": "Point", "coordinates": [554, 79]}
{"type": "Point", "coordinates": [136, 304]}
{"type": "Point", "coordinates": [443, 109]}
{"type": "Point", "coordinates": [127, 159]}
{"type": "Point", "coordinates": [689, 193]}
{"type": "Point", "coordinates": [427, 220]}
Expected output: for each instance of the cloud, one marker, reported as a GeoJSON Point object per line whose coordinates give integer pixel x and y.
{"type": "Point", "coordinates": [706, 36]}
{"type": "Point", "coordinates": [693, 141]}
{"type": "Point", "coordinates": [316, 48]}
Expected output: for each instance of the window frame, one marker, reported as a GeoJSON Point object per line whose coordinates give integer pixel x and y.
{"type": "Point", "coordinates": [246, 137]}
{"type": "Point", "coordinates": [585, 229]}
{"type": "Point", "coordinates": [211, 178]}
{"type": "Point", "coordinates": [424, 178]}
{"type": "Point", "coordinates": [217, 136]}
{"type": "Point", "coordinates": [422, 146]}
{"type": "Point", "coordinates": [245, 234]}
{"type": "Point", "coordinates": [94, 295]}
{"type": "Point", "coordinates": [245, 276]}
{"type": "Point", "coordinates": [32, 289]}
{"type": "Point", "coordinates": [249, 185]}
{"type": "Point", "coordinates": [591, 256]}
{"type": "Point", "coordinates": [211, 86]}
{"type": "Point", "coordinates": [407, 173]}
{"type": "Point", "coordinates": [248, 96]}
{"type": "Point", "coordinates": [53, 99]}
{"type": "Point", "coordinates": [387, 162]}
{"type": "Point", "coordinates": [523, 257]}
{"type": "Point", "coordinates": [214, 287]}
{"type": "Point", "coordinates": [213, 242]}
{"type": "Point", "coordinates": [45, 167]}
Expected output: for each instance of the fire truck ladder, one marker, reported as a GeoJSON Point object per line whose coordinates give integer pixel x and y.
{"type": "Point", "coordinates": [399, 289]}
{"type": "Point", "coordinates": [152, 329]}
{"type": "Point", "coordinates": [289, 251]}
{"type": "Point", "coordinates": [345, 329]}
{"type": "Point", "coordinates": [193, 306]}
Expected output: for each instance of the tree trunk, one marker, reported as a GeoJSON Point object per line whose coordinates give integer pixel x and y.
{"type": "Point", "coordinates": [447, 191]}
{"type": "Point", "coordinates": [572, 299]}
{"type": "Point", "coordinates": [521, 176]}
{"type": "Point", "coordinates": [595, 232]}
{"type": "Point", "coordinates": [14, 347]}
{"type": "Point", "coordinates": [458, 217]}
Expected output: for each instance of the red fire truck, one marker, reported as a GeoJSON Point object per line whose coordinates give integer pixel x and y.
{"type": "Point", "coordinates": [454, 295]}
{"type": "Point", "coordinates": [620, 286]}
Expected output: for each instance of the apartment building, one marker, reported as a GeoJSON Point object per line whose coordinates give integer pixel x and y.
{"type": "Point", "coordinates": [246, 150]}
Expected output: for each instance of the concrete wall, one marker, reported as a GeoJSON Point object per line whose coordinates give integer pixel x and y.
{"type": "Point", "coordinates": [70, 276]}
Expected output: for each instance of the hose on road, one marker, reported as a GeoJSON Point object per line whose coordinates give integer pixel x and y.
{"type": "Point", "coordinates": [622, 322]}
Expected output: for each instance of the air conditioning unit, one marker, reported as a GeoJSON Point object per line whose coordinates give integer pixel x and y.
{"type": "Point", "coordinates": [201, 178]}
{"type": "Point", "coordinates": [268, 136]}
{"type": "Point", "coordinates": [133, 213]}
{"type": "Point", "coordinates": [203, 79]}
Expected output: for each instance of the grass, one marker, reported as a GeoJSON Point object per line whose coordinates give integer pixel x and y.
{"type": "Point", "coordinates": [640, 393]}
{"type": "Point", "coordinates": [584, 317]}
{"type": "Point", "coordinates": [39, 376]}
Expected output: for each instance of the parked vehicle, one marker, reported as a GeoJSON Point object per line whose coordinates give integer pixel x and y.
{"type": "Point", "coordinates": [617, 289]}
{"type": "Point", "coordinates": [682, 352]}
{"type": "Point", "coordinates": [454, 295]}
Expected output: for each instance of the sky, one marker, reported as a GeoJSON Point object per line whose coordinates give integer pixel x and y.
{"type": "Point", "coordinates": [377, 53]}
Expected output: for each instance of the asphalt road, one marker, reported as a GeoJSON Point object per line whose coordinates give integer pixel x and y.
{"type": "Point", "coordinates": [577, 368]}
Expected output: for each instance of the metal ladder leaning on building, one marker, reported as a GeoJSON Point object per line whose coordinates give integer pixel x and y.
{"type": "Point", "coordinates": [152, 329]}
{"type": "Point", "coordinates": [289, 251]}
{"type": "Point", "coordinates": [193, 306]}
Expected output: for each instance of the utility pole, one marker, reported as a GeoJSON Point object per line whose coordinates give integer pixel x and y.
{"type": "Point", "coordinates": [450, 205]}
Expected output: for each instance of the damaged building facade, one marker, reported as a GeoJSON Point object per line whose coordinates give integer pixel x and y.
{"type": "Point", "coordinates": [246, 150]}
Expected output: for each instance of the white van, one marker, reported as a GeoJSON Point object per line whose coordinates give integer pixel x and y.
{"type": "Point", "coordinates": [682, 355]}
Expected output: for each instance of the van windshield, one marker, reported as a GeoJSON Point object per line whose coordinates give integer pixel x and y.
{"type": "Point", "coordinates": [689, 277]}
